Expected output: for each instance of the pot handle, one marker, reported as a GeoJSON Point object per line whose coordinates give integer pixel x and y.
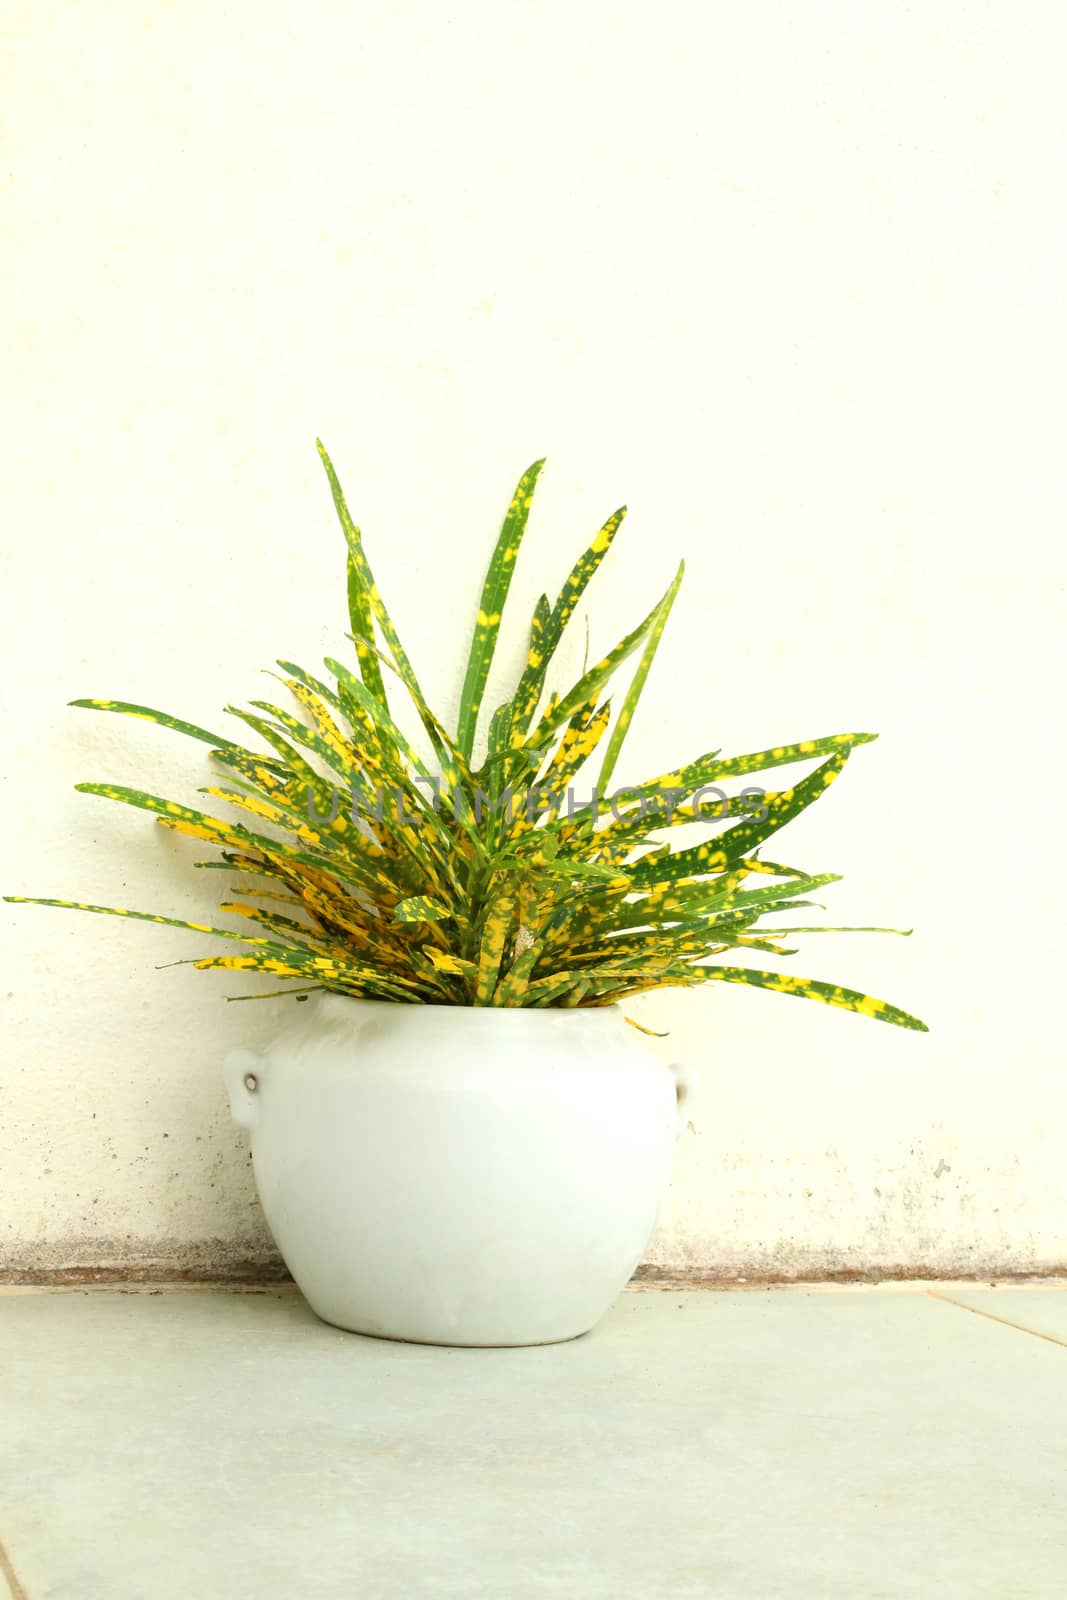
{"type": "Point", "coordinates": [243, 1072]}
{"type": "Point", "coordinates": [685, 1088]}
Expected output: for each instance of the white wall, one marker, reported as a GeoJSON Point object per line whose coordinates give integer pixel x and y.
{"type": "Point", "coordinates": [789, 280]}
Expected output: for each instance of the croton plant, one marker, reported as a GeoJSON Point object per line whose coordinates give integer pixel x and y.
{"type": "Point", "coordinates": [368, 867]}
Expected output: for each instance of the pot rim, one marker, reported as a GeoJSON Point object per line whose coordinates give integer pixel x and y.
{"type": "Point", "coordinates": [574, 1013]}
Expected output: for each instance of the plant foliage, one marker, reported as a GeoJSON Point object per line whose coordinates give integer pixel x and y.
{"type": "Point", "coordinates": [362, 867]}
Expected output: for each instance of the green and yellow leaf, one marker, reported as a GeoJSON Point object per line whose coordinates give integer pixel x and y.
{"type": "Point", "coordinates": [372, 870]}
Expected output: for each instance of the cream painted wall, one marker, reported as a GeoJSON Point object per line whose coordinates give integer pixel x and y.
{"type": "Point", "coordinates": [788, 280]}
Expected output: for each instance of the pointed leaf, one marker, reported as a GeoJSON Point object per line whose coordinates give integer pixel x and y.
{"type": "Point", "coordinates": [490, 610]}
{"type": "Point", "coordinates": [545, 640]}
{"type": "Point", "coordinates": [633, 694]}
{"type": "Point", "coordinates": [812, 989]}
{"type": "Point", "coordinates": [589, 685]}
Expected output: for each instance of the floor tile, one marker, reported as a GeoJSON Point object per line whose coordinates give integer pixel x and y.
{"type": "Point", "coordinates": [1040, 1308]}
{"type": "Point", "coordinates": [849, 1446]}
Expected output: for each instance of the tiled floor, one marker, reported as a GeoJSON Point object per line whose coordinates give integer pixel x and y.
{"type": "Point", "coordinates": [817, 1445]}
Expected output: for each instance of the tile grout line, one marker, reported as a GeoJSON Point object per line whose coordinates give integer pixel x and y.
{"type": "Point", "coordinates": [7, 1571]}
{"type": "Point", "coordinates": [991, 1316]}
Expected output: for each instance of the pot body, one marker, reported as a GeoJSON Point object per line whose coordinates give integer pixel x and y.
{"type": "Point", "coordinates": [458, 1175]}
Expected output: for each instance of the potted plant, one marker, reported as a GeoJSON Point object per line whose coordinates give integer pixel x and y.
{"type": "Point", "coordinates": [456, 1136]}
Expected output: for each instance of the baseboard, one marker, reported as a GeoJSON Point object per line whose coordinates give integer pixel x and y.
{"type": "Point", "coordinates": [259, 1271]}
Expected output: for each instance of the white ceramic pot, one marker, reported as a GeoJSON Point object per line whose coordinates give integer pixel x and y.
{"type": "Point", "coordinates": [459, 1175]}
